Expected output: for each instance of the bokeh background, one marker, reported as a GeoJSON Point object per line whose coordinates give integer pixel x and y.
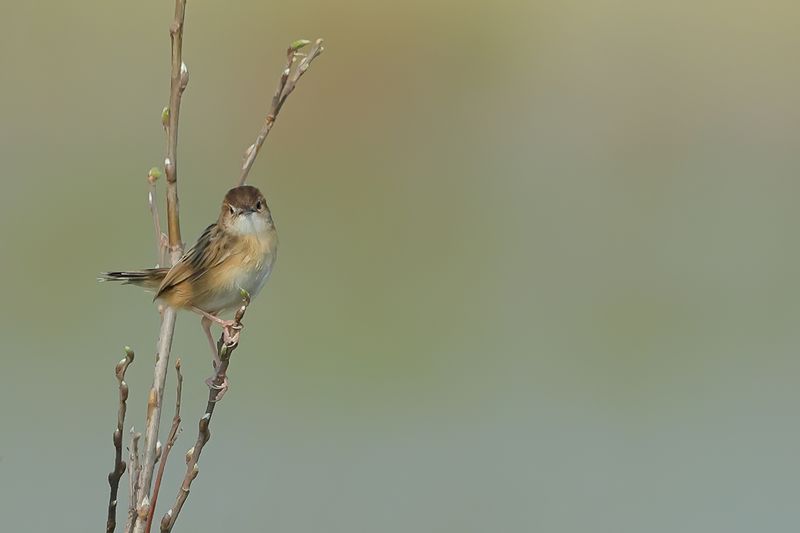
{"type": "Point", "coordinates": [538, 265]}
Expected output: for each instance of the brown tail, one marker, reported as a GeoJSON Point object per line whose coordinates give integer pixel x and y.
{"type": "Point", "coordinates": [149, 278]}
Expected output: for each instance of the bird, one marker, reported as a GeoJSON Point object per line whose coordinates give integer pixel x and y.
{"type": "Point", "coordinates": [236, 253]}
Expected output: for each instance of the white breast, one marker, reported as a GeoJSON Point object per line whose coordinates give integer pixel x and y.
{"type": "Point", "coordinates": [254, 258]}
{"type": "Point", "coordinates": [253, 280]}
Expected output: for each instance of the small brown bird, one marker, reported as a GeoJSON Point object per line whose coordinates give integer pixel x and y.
{"type": "Point", "coordinates": [237, 252]}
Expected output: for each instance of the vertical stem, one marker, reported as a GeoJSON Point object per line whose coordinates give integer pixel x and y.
{"type": "Point", "coordinates": [179, 80]}
{"type": "Point", "coordinates": [173, 436]}
{"type": "Point", "coordinates": [119, 464]}
{"type": "Point", "coordinates": [133, 473]}
{"type": "Point", "coordinates": [154, 401]}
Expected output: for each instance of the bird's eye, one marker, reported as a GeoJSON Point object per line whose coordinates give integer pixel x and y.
{"type": "Point", "coordinates": [232, 210]}
{"type": "Point", "coordinates": [259, 205]}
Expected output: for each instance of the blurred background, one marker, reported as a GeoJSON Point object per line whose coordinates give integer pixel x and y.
{"type": "Point", "coordinates": [537, 270]}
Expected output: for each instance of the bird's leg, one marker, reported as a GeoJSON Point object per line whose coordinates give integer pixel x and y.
{"type": "Point", "coordinates": [205, 323]}
{"type": "Point", "coordinates": [230, 328]}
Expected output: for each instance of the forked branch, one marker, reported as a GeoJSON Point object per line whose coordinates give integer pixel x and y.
{"type": "Point", "coordinates": [286, 85]}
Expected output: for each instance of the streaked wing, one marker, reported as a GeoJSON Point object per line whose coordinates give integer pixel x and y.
{"type": "Point", "coordinates": [196, 262]}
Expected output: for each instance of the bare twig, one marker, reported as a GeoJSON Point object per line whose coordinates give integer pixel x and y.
{"type": "Point", "coordinates": [154, 406]}
{"type": "Point", "coordinates": [119, 464]}
{"type": "Point", "coordinates": [171, 438]}
{"type": "Point", "coordinates": [286, 85]}
{"type": "Point", "coordinates": [179, 80]}
{"type": "Point", "coordinates": [203, 433]}
{"type": "Point", "coordinates": [133, 480]}
{"type": "Point", "coordinates": [161, 239]}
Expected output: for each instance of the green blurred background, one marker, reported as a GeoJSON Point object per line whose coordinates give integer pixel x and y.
{"type": "Point", "coordinates": [537, 271]}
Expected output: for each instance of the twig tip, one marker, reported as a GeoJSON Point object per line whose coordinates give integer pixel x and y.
{"type": "Point", "coordinates": [153, 174]}
{"type": "Point", "coordinates": [298, 44]}
{"type": "Point", "coordinates": [245, 296]}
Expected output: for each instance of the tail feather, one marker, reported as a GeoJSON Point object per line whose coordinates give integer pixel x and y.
{"type": "Point", "coordinates": [149, 278]}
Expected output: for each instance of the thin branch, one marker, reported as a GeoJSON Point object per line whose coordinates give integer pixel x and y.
{"type": "Point", "coordinates": [286, 85]}
{"type": "Point", "coordinates": [171, 438]}
{"type": "Point", "coordinates": [133, 480]}
{"type": "Point", "coordinates": [179, 80]}
{"type": "Point", "coordinates": [153, 416]}
{"type": "Point", "coordinates": [161, 239]}
{"type": "Point", "coordinates": [119, 464]}
{"type": "Point", "coordinates": [216, 390]}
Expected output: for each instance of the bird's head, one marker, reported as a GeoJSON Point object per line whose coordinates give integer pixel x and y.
{"type": "Point", "coordinates": [244, 211]}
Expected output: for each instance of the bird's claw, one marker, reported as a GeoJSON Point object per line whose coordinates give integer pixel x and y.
{"type": "Point", "coordinates": [230, 333]}
{"type": "Point", "coordinates": [222, 388]}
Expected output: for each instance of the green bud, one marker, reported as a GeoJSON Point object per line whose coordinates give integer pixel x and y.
{"type": "Point", "coordinates": [298, 44]}
{"type": "Point", "coordinates": [152, 175]}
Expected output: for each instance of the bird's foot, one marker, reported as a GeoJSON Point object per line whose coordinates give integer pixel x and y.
{"type": "Point", "coordinates": [230, 328]}
{"type": "Point", "coordinates": [230, 332]}
{"type": "Point", "coordinates": [221, 388]}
